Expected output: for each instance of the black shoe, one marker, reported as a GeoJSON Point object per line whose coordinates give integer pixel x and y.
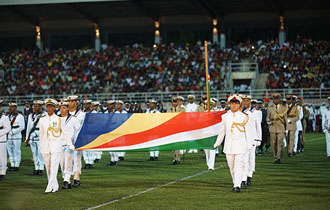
{"type": "Point", "coordinates": [90, 166]}
{"type": "Point", "coordinates": [115, 163]}
{"type": "Point", "coordinates": [277, 161]}
{"type": "Point", "coordinates": [111, 163]}
{"type": "Point", "coordinates": [244, 185]}
{"type": "Point", "coordinates": [65, 186]}
{"type": "Point", "coordinates": [35, 172]}
{"type": "Point", "coordinates": [290, 155]}
{"type": "Point", "coordinates": [151, 159]}
{"type": "Point", "coordinates": [2, 178]}
{"type": "Point", "coordinates": [237, 189]}
{"type": "Point", "coordinates": [233, 190]}
{"type": "Point", "coordinates": [40, 172]}
{"type": "Point", "coordinates": [121, 158]}
{"type": "Point", "coordinates": [156, 158]}
{"type": "Point", "coordinates": [86, 166]}
{"type": "Point", "coordinates": [175, 162]}
{"type": "Point", "coordinates": [16, 169]}
{"type": "Point", "coordinates": [76, 183]}
{"type": "Point", "coordinates": [11, 168]}
{"type": "Point", "coordinates": [97, 161]}
{"type": "Point", "coordinates": [249, 181]}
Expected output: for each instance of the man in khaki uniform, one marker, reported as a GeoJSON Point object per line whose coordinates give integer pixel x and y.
{"type": "Point", "coordinates": [276, 119]}
{"type": "Point", "coordinates": [202, 107]}
{"type": "Point", "coordinates": [174, 109]}
{"type": "Point", "coordinates": [291, 123]}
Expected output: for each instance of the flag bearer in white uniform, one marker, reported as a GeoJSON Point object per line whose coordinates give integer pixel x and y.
{"type": "Point", "coordinates": [70, 123]}
{"type": "Point", "coordinates": [115, 156]}
{"type": "Point", "coordinates": [253, 135]}
{"type": "Point", "coordinates": [97, 154]}
{"type": "Point", "coordinates": [326, 127]}
{"type": "Point", "coordinates": [191, 107]}
{"type": "Point", "coordinates": [152, 104]}
{"type": "Point", "coordinates": [32, 136]}
{"type": "Point", "coordinates": [51, 143]}
{"type": "Point", "coordinates": [17, 124]}
{"type": "Point", "coordinates": [4, 130]}
{"type": "Point", "coordinates": [80, 115]}
{"type": "Point", "coordinates": [210, 153]}
{"type": "Point", "coordinates": [234, 122]}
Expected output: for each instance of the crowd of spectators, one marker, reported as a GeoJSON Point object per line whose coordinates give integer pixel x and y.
{"type": "Point", "coordinates": [172, 67]}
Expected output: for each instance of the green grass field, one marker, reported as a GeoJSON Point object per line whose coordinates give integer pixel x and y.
{"type": "Point", "coordinates": [301, 182]}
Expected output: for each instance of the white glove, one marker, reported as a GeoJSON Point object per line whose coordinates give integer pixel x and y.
{"type": "Point", "coordinates": [71, 147]}
{"type": "Point", "coordinates": [325, 131]}
{"type": "Point", "coordinates": [286, 132]}
{"type": "Point", "coordinates": [289, 121]}
{"type": "Point", "coordinates": [257, 142]}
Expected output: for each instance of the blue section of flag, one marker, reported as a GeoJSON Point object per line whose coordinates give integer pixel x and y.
{"type": "Point", "coordinates": [97, 124]}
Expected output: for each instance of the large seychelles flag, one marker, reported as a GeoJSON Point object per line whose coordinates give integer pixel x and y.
{"type": "Point", "coordinates": [147, 132]}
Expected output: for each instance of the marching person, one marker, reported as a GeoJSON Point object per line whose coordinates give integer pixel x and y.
{"type": "Point", "coordinates": [291, 123]}
{"type": "Point", "coordinates": [32, 138]}
{"type": "Point", "coordinates": [153, 154]}
{"type": "Point", "coordinates": [253, 135]}
{"type": "Point", "coordinates": [176, 108]}
{"type": "Point", "coordinates": [326, 128]}
{"type": "Point", "coordinates": [70, 124]}
{"type": "Point", "coordinates": [234, 122]}
{"type": "Point", "coordinates": [51, 143]}
{"type": "Point", "coordinates": [276, 120]}
{"type": "Point", "coordinates": [88, 155]}
{"type": "Point", "coordinates": [80, 115]}
{"type": "Point", "coordinates": [97, 154]}
{"type": "Point", "coordinates": [4, 130]}
{"type": "Point", "coordinates": [191, 107]}
{"type": "Point", "coordinates": [263, 106]}
{"type": "Point", "coordinates": [120, 109]}
{"type": "Point", "coordinates": [17, 124]}
{"type": "Point", "coordinates": [298, 133]}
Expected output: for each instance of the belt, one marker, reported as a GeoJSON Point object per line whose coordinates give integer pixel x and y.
{"type": "Point", "coordinates": [15, 126]}
{"type": "Point", "coordinates": [36, 129]}
{"type": "Point", "coordinates": [291, 115]}
{"type": "Point", "coordinates": [1, 127]}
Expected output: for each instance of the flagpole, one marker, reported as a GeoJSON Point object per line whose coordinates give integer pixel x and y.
{"type": "Point", "coordinates": [207, 77]}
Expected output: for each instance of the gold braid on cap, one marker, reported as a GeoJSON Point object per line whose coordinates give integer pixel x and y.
{"type": "Point", "coordinates": [55, 130]}
{"type": "Point", "coordinates": [242, 124]}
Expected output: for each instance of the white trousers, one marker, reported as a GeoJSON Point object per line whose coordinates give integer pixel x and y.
{"type": "Point", "coordinates": [249, 163]}
{"type": "Point", "coordinates": [210, 158]}
{"type": "Point", "coordinates": [121, 154]}
{"type": "Point", "coordinates": [67, 164]}
{"type": "Point", "coordinates": [113, 156]}
{"type": "Point", "coordinates": [327, 139]}
{"type": "Point", "coordinates": [98, 155]}
{"type": "Point", "coordinates": [296, 137]}
{"type": "Point", "coordinates": [154, 153]}
{"type": "Point", "coordinates": [77, 163]}
{"type": "Point", "coordinates": [14, 152]}
{"type": "Point", "coordinates": [3, 158]}
{"type": "Point", "coordinates": [235, 164]}
{"type": "Point", "coordinates": [89, 156]}
{"type": "Point", "coordinates": [37, 156]}
{"type": "Point", "coordinates": [52, 162]}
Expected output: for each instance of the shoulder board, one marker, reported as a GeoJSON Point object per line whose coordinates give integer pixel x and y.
{"type": "Point", "coordinates": [245, 113]}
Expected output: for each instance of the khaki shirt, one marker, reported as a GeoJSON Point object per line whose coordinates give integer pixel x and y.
{"type": "Point", "coordinates": [293, 117]}
{"type": "Point", "coordinates": [276, 118]}
{"type": "Point", "coordinates": [176, 109]}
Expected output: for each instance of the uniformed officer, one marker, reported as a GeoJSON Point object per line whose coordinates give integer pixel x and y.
{"type": "Point", "coordinates": [202, 107]}
{"type": "Point", "coordinates": [120, 109]}
{"type": "Point", "coordinates": [97, 154]}
{"type": "Point", "coordinates": [69, 123]}
{"type": "Point", "coordinates": [87, 105]}
{"type": "Point", "coordinates": [4, 130]}
{"type": "Point", "coordinates": [111, 106]}
{"type": "Point", "coordinates": [234, 122]}
{"type": "Point", "coordinates": [17, 124]}
{"type": "Point", "coordinates": [253, 135]}
{"type": "Point", "coordinates": [176, 108]}
{"type": "Point", "coordinates": [51, 143]}
{"type": "Point", "coordinates": [291, 123]}
{"type": "Point", "coordinates": [276, 120]}
{"type": "Point", "coordinates": [88, 154]}
{"type": "Point", "coordinates": [298, 133]}
{"type": "Point", "coordinates": [191, 107]}
{"type": "Point", "coordinates": [32, 136]}
{"type": "Point", "coordinates": [222, 105]}
{"type": "Point", "coordinates": [153, 154]}
{"type": "Point", "coordinates": [326, 128]}
{"type": "Point", "coordinates": [80, 115]}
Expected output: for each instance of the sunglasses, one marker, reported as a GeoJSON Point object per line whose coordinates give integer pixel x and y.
{"type": "Point", "coordinates": [288, 98]}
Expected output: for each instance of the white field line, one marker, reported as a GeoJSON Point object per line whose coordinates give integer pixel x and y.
{"type": "Point", "coordinates": [150, 189]}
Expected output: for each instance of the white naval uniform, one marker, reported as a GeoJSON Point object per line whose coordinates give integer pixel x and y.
{"type": "Point", "coordinates": [4, 130]}
{"type": "Point", "coordinates": [97, 153]}
{"type": "Point", "coordinates": [236, 143]}
{"type": "Point", "coordinates": [89, 156]}
{"type": "Point", "coordinates": [192, 107]}
{"type": "Point", "coordinates": [183, 151]}
{"type": "Point", "coordinates": [299, 128]}
{"type": "Point", "coordinates": [115, 155]}
{"type": "Point", "coordinates": [80, 115]}
{"type": "Point", "coordinates": [210, 156]}
{"type": "Point", "coordinates": [51, 147]}
{"type": "Point", "coordinates": [70, 124]}
{"type": "Point", "coordinates": [326, 129]}
{"type": "Point", "coordinates": [153, 153]}
{"type": "Point", "coordinates": [253, 134]}
{"type": "Point", "coordinates": [34, 140]}
{"type": "Point", "coordinates": [15, 139]}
